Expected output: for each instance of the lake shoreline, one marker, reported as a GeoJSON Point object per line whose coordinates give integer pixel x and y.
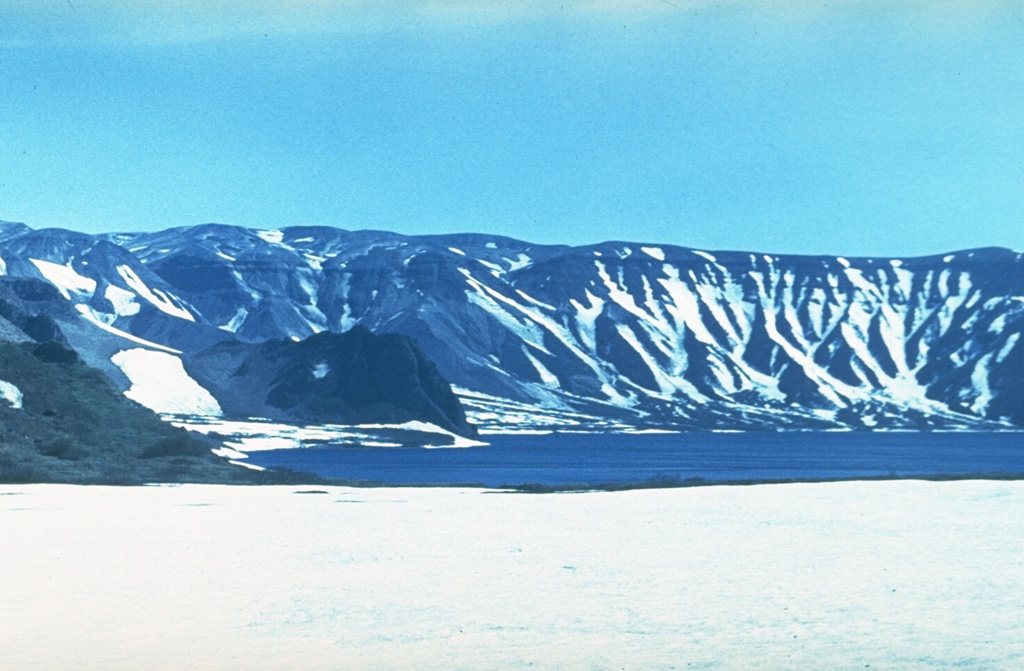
{"type": "Point", "coordinates": [301, 479]}
{"type": "Point", "coordinates": [622, 461]}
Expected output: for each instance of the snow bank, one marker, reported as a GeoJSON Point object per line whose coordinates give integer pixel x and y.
{"type": "Point", "coordinates": [255, 435]}
{"type": "Point", "coordinates": [884, 575]}
{"type": "Point", "coordinates": [160, 383]}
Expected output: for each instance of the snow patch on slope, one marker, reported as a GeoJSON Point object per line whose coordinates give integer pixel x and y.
{"type": "Point", "coordinates": [273, 237]}
{"type": "Point", "coordinates": [521, 261]}
{"type": "Point", "coordinates": [10, 393]}
{"type": "Point", "coordinates": [65, 278]}
{"type": "Point", "coordinates": [122, 300]}
{"type": "Point", "coordinates": [160, 383]}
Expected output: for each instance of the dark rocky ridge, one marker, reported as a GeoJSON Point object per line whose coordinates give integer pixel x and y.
{"type": "Point", "coordinates": [354, 377]}
{"type": "Point", "coordinates": [25, 304]}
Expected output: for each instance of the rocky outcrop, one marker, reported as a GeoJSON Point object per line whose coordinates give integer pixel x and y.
{"type": "Point", "coordinates": [338, 378]}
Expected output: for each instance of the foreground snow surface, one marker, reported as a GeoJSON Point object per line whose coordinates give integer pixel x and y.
{"type": "Point", "coordinates": [879, 575]}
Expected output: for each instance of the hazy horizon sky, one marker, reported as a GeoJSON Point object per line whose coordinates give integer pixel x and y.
{"type": "Point", "coordinates": [846, 127]}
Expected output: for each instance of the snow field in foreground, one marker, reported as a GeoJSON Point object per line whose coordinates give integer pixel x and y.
{"type": "Point", "coordinates": [881, 575]}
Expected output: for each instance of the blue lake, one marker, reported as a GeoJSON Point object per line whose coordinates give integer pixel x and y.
{"type": "Point", "coordinates": [593, 460]}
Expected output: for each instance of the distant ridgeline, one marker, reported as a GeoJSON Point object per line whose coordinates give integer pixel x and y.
{"type": "Point", "coordinates": [321, 325]}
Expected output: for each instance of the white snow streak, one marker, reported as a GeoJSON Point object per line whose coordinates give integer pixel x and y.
{"type": "Point", "coordinates": [666, 385]}
{"type": "Point", "coordinates": [495, 269]}
{"type": "Point", "coordinates": [155, 296]}
{"type": "Point", "coordinates": [685, 305]}
{"type": "Point", "coordinates": [236, 321]}
{"type": "Point", "coordinates": [90, 315]}
{"type": "Point", "coordinates": [531, 299]}
{"type": "Point", "coordinates": [586, 319]}
{"type": "Point", "coordinates": [1004, 351]}
{"type": "Point", "coordinates": [546, 376]}
{"type": "Point", "coordinates": [618, 294]}
{"type": "Point", "coordinates": [979, 380]}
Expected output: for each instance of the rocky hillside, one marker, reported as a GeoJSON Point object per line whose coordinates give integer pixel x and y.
{"type": "Point", "coordinates": [62, 421]}
{"type": "Point", "coordinates": [330, 378]}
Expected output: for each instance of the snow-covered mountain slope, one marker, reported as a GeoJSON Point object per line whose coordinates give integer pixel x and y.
{"type": "Point", "coordinates": [608, 334]}
{"type": "Point", "coordinates": [100, 298]}
{"type": "Point", "coordinates": [106, 284]}
{"type": "Point", "coordinates": [129, 322]}
{"type": "Point", "coordinates": [63, 421]}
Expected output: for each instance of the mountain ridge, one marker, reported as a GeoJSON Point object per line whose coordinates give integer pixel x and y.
{"type": "Point", "coordinates": [613, 333]}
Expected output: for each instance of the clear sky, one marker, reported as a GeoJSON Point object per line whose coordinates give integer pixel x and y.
{"type": "Point", "coordinates": [871, 127]}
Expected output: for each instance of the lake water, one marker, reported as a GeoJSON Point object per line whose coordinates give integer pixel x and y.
{"type": "Point", "coordinates": [593, 460]}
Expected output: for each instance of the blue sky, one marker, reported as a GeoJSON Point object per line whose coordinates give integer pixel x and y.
{"type": "Point", "coordinates": [841, 127]}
